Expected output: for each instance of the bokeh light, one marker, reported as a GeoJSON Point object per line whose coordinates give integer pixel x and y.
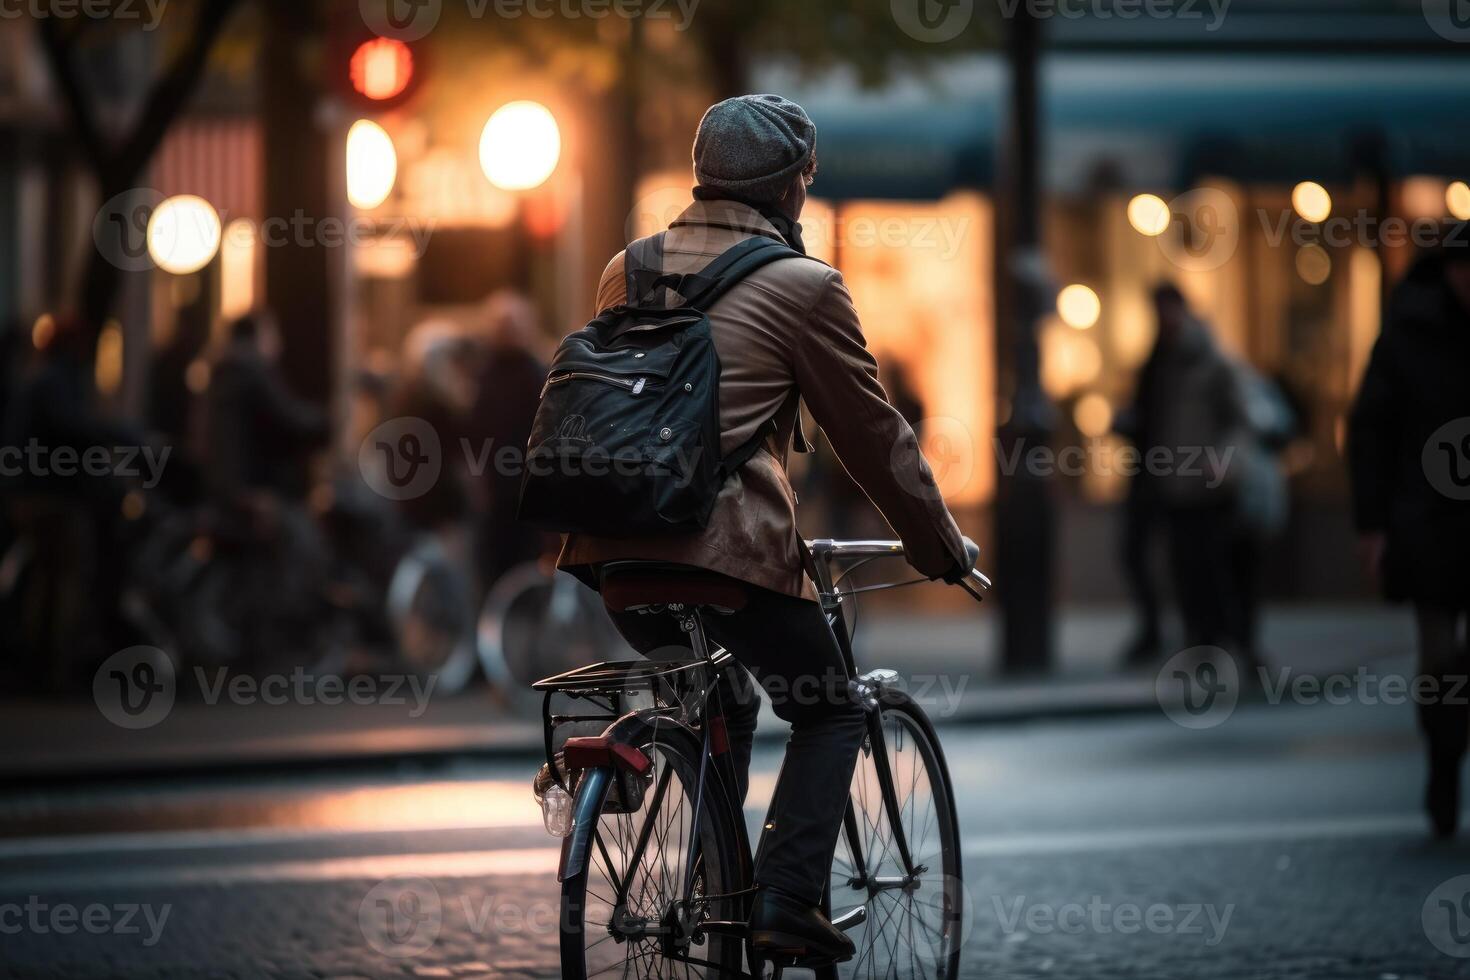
{"type": "Point", "coordinates": [1313, 264]}
{"type": "Point", "coordinates": [1093, 415]}
{"type": "Point", "coordinates": [183, 234]}
{"type": "Point", "coordinates": [372, 164]}
{"type": "Point", "coordinates": [1148, 214]}
{"type": "Point", "coordinates": [1457, 199]}
{"type": "Point", "coordinates": [381, 69]}
{"type": "Point", "coordinates": [1311, 201]}
{"type": "Point", "coordinates": [1069, 360]}
{"type": "Point", "coordinates": [43, 331]}
{"type": "Point", "coordinates": [1422, 197]}
{"type": "Point", "coordinates": [520, 146]}
{"type": "Point", "coordinates": [1078, 306]}
{"type": "Point", "coordinates": [107, 369]}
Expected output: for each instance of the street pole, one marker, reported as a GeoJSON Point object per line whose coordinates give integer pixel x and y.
{"type": "Point", "coordinates": [1025, 514]}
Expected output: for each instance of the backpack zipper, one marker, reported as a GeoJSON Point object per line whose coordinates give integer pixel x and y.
{"type": "Point", "coordinates": [634, 386]}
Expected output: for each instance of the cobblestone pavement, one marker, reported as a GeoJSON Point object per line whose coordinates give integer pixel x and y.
{"type": "Point", "coordinates": [1284, 843]}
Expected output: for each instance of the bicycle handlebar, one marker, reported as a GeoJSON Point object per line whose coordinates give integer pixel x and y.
{"type": "Point", "coordinates": [829, 550]}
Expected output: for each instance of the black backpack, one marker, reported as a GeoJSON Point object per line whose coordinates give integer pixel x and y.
{"type": "Point", "coordinates": [626, 441]}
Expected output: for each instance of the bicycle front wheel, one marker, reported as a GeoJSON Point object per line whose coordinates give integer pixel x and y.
{"type": "Point", "coordinates": [914, 921]}
{"type": "Point", "coordinates": [628, 914]}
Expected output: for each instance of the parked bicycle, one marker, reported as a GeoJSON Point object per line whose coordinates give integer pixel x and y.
{"type": "Point", "coordinates": [656, 863]}
{"type": "Point", "coordinates": [532, 620]}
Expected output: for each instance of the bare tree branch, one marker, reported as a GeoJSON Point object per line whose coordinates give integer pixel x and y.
{"type": "Point", "coordinates": [58, 50]}
{"type": "Point", "coordinates": [172, 92]}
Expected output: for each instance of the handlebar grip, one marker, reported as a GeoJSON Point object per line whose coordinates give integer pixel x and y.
{"type": "Point", "coordinates": [972, 554]}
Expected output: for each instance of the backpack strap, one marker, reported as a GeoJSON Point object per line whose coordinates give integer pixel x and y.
{"type": "Point", "coordinates": [748, 448]}
{"type": "Point", "coordinates": [643, 266]}
{"type": "Point", "coordinates": [734, 265]}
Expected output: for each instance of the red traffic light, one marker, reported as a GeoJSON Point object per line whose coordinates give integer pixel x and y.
{"type": "Point", "coordinates": [381, 69]}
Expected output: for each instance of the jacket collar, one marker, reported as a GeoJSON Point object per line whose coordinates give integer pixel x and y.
{"type": "Point", "coordinates": [731, 215]}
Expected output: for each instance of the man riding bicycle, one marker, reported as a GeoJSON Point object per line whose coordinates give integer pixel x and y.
{"type": "Point", "coordinates": [786, 332]}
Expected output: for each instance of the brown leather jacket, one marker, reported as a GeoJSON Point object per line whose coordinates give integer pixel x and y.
{"type": "Point", "coordinates": [789, 328]}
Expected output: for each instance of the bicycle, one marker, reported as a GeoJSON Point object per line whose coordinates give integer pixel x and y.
{"type": "Point", "coordinates": [652, 881]}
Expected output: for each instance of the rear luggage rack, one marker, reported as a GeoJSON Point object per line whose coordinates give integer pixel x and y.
{"type": "Point", "coordinates": [627, 675]}
{"type": "Point", "coordinates": [603, 687]}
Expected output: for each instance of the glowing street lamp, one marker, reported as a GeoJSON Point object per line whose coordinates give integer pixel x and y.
{"type": "Point", "coordinates": [1148, 214]}
{"type": "Point", "coordinates": [520, 146]}
{"type": "Point", "coordinates": [372, 164]}
{"type": "Point", "coordinates": [1078, 306]}
{"type": "Point", "coordinates": [1311, 201]}
{"type": "Point", "coordinates": [1457, 199]}
{"type": "Point", "coordinates": [183, 234]}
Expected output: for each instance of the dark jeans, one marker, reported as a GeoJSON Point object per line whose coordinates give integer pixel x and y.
{"type": "Point", "coordinates": [1140, 524]}
{"type": "Point", "coordinates": [1202, 560]}
{"type": "Point", "coordinates": [787, 645]}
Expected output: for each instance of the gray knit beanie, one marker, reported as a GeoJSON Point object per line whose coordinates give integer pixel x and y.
{"type": "Point", "coordinates": [753, 146]}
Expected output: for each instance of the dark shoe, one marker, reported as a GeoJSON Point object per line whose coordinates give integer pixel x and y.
{"type": "Point", "coordinates": [1442, 798]}
{"type": "Point", "coordinates": [786, 928]}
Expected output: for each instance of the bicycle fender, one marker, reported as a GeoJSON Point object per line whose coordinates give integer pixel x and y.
{"type": "Point", "coordinates": [591, 790]}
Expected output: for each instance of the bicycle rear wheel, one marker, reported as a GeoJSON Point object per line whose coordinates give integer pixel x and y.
{"type": "Point", "coordinates": [914, 927]}
{"type": "Point", "coordinates": [604, 938]}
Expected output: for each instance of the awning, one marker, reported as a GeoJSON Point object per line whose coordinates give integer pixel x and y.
{"type": "Point", "coordinates": [1148, 122]}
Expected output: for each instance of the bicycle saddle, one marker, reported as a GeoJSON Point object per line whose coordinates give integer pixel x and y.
{"type": "Point", "coordinates": [629, 585]}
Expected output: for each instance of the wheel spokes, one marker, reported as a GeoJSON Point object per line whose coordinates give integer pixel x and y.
{"type": "Point", "coordinates": [909, 930]}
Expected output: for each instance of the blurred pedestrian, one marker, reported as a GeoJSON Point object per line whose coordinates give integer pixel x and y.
{"type": "Point", "coordinates": [259, 436]}
{"type": "Point", "coordinates": [1411, 511]}
{"type": "Point", "coordinates": [438, 386]}
{"type": "Point", "coordinates": [259, 440]}
{"type": "Point", "coordinates": [507, 391]}
{"type": "Point", "coordinates": [1191, 417]}
{"type": "Point", "coordinates": [1142, 517]}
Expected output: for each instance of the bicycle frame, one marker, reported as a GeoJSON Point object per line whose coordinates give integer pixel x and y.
{"type": "Point", "coordinates": [824, 553]}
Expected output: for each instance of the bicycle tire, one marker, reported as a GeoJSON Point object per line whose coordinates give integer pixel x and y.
{"type": "Point", "coordinates": [522, 635]}
{"type": "Point", "coordinates": [724, 869]}
{"type": "Point", "coordinates": [907, 732]}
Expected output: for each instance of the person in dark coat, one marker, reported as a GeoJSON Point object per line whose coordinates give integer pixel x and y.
{"type": "Point", "coordinates": [507, 391]}
{"type": "Point", "coordinates": [1409, 455]}
{"type": "Point", "coordinates": [259, 434]}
